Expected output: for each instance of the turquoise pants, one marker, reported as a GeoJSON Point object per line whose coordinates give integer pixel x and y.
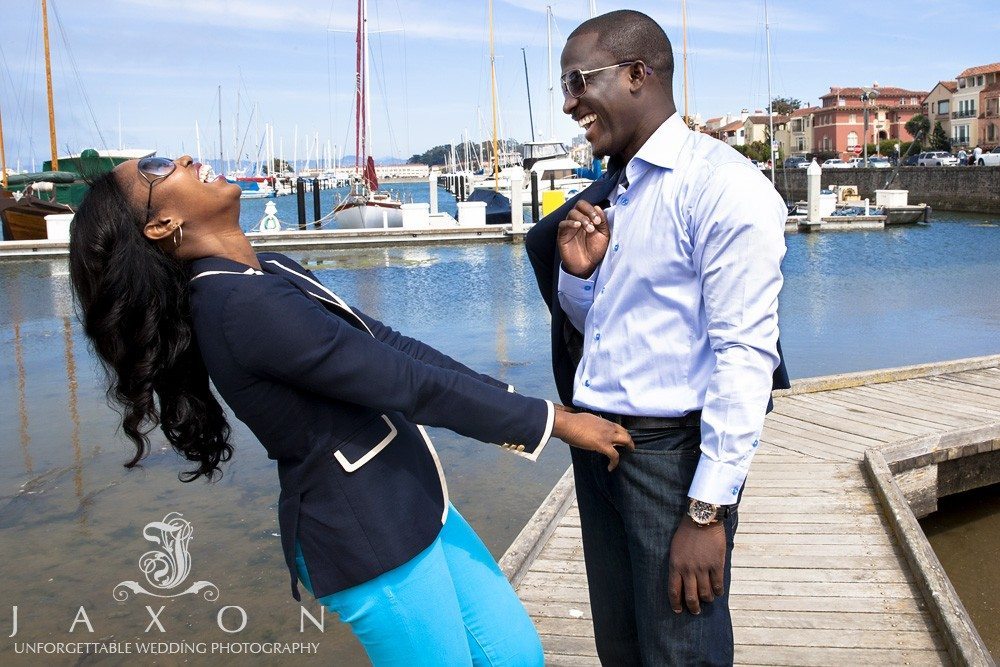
{"type": "Point", "coordinates": [450, 605]}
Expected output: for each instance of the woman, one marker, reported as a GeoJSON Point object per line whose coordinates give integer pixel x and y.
{"type": "Point", "coordinates": [172, 294]}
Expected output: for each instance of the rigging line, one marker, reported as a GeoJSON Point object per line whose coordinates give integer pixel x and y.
{"type": "Point", "coordinates": [381, 75]}
{"type": "Point", "coordinates": [76, 73]}
{"type": "Point", "coordinates": [406, 80]}
{"type": "Point", "coordinates": [16, 115]}
{"type": "Point", "coordinates": [330, 70]}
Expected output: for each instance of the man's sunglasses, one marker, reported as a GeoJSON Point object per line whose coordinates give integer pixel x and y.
{"type": "Point", "coordinates": [154, 169]}
{"type": "Point", "coordinates": [574, 82]}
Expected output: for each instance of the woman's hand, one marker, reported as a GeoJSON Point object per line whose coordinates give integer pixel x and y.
{"type": "Point", "coordinates": [590, 432]}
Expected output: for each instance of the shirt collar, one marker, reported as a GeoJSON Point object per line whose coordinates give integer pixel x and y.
{"type": "Point", "coordinates": [661, 149]}
{"type": "Point", "coordinates": [216, 264]}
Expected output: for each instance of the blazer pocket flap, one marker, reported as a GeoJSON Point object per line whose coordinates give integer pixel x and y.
{"type": "Point", "coordinates": [365, 444]}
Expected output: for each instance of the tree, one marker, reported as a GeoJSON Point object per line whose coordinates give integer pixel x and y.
{"type": "Point", "coordinates": [785, 105]}
{"type": "Point", "coordinates": [940, 140]}
{"type": "Point", "coordinates": [919, 124]}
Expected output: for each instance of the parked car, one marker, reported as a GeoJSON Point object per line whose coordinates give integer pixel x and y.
{"type": "Point", "coordinates": [879, 162]}
{"type": "Point", "coordinates": [991, 159]}
{"type": "Point", "coordinates": [911, 160]}
{"type": "Point", "coordinates": [937, 159]}
{"type": "Point", "coordinates": [795, 162]}
{"type": "Point", "coordinates": [836, 163]}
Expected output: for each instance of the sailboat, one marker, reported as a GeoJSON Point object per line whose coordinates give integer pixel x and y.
{"type": "Point", "coordinates": [365, 207]}
{"type": "Point", "coordinates": [23, 210]}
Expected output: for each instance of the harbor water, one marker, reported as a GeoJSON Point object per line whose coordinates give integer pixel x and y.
{"type": "Point", "coordinates": [71, 525]}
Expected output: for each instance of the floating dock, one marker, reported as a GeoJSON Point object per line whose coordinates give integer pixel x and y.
{"type": "Point", "coordinates": [842, 574]}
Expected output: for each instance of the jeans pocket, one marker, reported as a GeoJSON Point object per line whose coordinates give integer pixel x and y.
{"type": "Point", "coordinates": [670, 441]}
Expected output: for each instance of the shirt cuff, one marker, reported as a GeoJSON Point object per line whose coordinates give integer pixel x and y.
{"type": "Point", "coordinates": [546, 435]}
{"type": "Point", "coordinates": [717, 483]}
{"type": "Point", "coordinates": [579, 289]}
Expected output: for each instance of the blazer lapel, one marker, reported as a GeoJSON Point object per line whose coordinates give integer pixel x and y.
{"type": "Point", "coordinates": [298, 276]}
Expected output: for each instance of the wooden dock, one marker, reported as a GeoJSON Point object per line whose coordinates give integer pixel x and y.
{"type": "Point", "coordinates": [834, 577]}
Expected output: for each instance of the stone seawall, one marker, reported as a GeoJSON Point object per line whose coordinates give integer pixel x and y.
{"type": "Point", "coordinates": [973, 189]}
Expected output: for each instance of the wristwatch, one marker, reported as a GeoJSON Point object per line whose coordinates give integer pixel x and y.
{"type": "Point", "coordinates": [705, 514]}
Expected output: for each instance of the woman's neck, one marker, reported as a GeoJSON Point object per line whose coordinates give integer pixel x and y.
{"type": "Point", "coordinates": [234, 245]}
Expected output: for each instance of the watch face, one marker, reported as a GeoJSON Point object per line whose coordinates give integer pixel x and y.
{"type": "Point", "coordinates": [702, 512]}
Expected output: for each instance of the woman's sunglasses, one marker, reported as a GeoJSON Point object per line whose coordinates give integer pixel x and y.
{"type": "Point", "coordinates": [154, 169]}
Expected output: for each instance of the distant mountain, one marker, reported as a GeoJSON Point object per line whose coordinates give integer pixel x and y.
{"type": "Point", "coordinates": [388, 161]}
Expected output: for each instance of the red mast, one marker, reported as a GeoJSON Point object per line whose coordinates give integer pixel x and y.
{"type": "Point", "coordinates": [359, 92]}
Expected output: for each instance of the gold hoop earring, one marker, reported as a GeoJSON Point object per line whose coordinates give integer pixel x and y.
{"type": "Point", "coordinates": [178, 236]}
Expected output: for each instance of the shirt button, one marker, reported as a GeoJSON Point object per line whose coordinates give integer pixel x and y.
{"type": "Point", "coordinates": [597, 336]}
{"type": "Point", "coordinates": [735, 490]}
{"type": "Point", "coordinates": [616, 247]}
{"type": "Point", "coordinates": [624, 201]}
{"type": "Point", "coordinates": [755, 442]}
{"type": "Point", "coordinates": [587, 288]}
{"type": "Point", "coordinates": [586, 383]}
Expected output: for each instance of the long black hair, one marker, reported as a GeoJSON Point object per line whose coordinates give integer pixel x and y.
{"type": "Point", "coordinates": [133, 301]}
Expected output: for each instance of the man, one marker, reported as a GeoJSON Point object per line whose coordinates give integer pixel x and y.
{"type": "Point", "coordinates": [662, 279]}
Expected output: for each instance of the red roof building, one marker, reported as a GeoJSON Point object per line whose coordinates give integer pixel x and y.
{"type": "Point", "coordinates": [838, 125]}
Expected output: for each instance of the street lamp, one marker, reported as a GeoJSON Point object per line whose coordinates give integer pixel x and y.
{"type": "Point", "coordinates": [868, 97]}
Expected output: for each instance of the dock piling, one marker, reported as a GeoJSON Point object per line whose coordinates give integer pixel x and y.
{"type": "Point", "coordinates": [300, 200]}
{"type": "Point", "coordinates": [316, 213]}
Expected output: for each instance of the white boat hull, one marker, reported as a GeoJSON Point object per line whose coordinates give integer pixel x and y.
{"type": "Point", "coordinates": [368, 216]}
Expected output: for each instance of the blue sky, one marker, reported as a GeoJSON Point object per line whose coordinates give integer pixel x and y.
{"type": "Point", "coordinates": [158, 64]}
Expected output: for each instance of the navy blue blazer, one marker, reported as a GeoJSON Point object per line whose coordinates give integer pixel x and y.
{"type": "Point", "coordinates": [336, 398]}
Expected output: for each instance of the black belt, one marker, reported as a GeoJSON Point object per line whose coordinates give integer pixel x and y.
{"type": "Point", "coordinates": [636, 423]}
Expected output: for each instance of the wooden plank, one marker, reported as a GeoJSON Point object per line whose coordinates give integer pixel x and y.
{"type": "Point", "coordinates": [809, 603]}
{"type": "Point", "coordinates": [840, 589]}
{"type": "Point", "coordinates": [781, 655]}
{"type": "Point", "coordinates": [870, 407]}
{"type": "Point", "coordinates": [746, 549]}
{"type": "Point", "coordinates": [796, 406]}
{"type": "Point", "coordinates": [568, 646]}
{"type": "Point", "coordinates": [938, 403]}
{"type": "Point", "coordinates": [565, 627]}
{"type": "Point", "coordinates": [991, 393]}
{"type": "Point", "coordinates": [833, 440]}
{"type": "Point", "coordinates": [560, 660]}
{"type": "Point", "coordinates": [549, 609]}
{"type": "Point", "coordinates": [937, 387]}
{"type": "Point", "coordinates": [843, 638]}
{"type": "Point", "coordinates": [817, 575]}
{"type": "Point", "coordinates": [793, 417]}
{"type": "Point", "coordinates": [861, 414]}
{"type": "Point", "coordinates": [798, 443]}
{"type": "Point", "coordinates": [859, 395]}
{"type": "Point", "coordinates": [826, 538]}
{"type": "Point", "coordinates": [937, 412]}
{"type": "Point", "coordinates": [834, 621]}
{"type": "Point", "coordinates": [810, 562]}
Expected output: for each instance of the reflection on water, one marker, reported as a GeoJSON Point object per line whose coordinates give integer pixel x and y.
{"type": "Point", "coordinates": [71, 517]}
{"type": "Point", "coordinates": [965, 534]}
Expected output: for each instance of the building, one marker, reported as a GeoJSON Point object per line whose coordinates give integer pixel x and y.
{"type": "Point", "coordinates": [838, 125]}
{"type": "Point", "coordinates": [733, 133]}
{"type": "Point", "coordinates": [989, 116]}
{"type": "Point", "coordinates": [967, 105]}
{"type": "Point", "coordinates": [800, 135]}
{"type": "Point", "coordinates": [937, 104]}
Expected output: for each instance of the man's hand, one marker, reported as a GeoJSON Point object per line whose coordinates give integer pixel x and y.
{"type": "Point", "coordinates": [697, 563]}
{"type": "Point", "coordinates": [583, 239]}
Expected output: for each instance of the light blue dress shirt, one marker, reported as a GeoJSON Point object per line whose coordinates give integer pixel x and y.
{"type": "Point", "coordinates": [682, 312]}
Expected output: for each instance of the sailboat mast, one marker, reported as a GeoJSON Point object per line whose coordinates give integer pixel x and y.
{"type": "Point", "coordinates": [197, 140]}
{"type": "Point", "coordinates": [684, 31]}
{"type": "Point", "coordinates": [770, 100]}
{"type": "Point", "coordinates": [48, 85]}
{"type": "Point", "coordinates": [222, 159]}
{"type": "Point", "coordinates": [493, 85]}
{"type": "Point", "coordinates": [527, 84]}
{"type": "Point", "coordinates": [552, 95]}
{"type": "Point", "coordinates": [593, 8]}
{"type": "Point", "coordinates": [3, 157]}
{"type": "Point", "coordinates": [358, 89]}
{"type": "Point", "coordinates": [366, 141]}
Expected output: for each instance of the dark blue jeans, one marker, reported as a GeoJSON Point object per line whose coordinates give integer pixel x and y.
{"type": "Point", "coordinates": [628, 518]}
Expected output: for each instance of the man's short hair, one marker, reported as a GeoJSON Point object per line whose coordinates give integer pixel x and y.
{"type": "Point", "coordinates": [630, 35]}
